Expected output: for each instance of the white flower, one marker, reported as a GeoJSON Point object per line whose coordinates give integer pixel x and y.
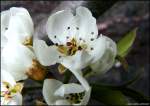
{"type": "Point", "coordinates": [17, 53]}
{"type": "Point", "coordinates": [57, 93]}
{"type": "Point", "coordinates": [76, 42]}
{"type": "Point", "coordinates": [20, 61]}
{"type": "Point", "coordinates": [16, 26]}
{"type": "Point", "coordinates": [10, 90]}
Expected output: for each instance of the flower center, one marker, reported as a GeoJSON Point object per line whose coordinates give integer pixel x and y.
{"type": "Point", "coordinates": [10, 91]}
{"type": "Point", "coordinates": [75, 98]}
{"type": "Point", "coordinates": [71, 48]}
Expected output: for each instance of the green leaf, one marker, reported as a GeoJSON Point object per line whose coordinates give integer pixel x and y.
{"type": "Point", "coordinates": [108, 96]}
{"type": "Point", "coordinates": [133, 80]}
{"type": "Point", "coordinates": [129, 92]}
{"type": "Point", "coordinates": [136, 95]}
{"type": "Point", "coordinates": [123, 46]}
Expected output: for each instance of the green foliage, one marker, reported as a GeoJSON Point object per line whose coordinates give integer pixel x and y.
{"type": "Point", "coordinates": [117, 94]}
{"type": "Point", "coordinates": [124, 45]}
{"type": "Point", "coordinates": [135, 95]}
{"type": "Point", "coordinates": [108, 96]}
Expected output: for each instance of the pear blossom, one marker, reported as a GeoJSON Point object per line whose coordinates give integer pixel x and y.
{"type": "Point", "coordinates": [20, 61]}
{"type": "Point", "coordinates": [16, 26]}
{"type": "Point", "coordinates": [76, 42]}
{"type": "Point", "coordinates": [10, 90]}
{"type": "Point", "coordinates": [57, 93]}
{"type": "Point", "coordinates": [17, 53]}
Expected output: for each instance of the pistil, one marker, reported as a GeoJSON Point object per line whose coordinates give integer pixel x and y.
{"type": "Point", "coordinates": [71, 48]}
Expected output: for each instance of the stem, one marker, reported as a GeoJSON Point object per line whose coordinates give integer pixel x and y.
{"type": "Point", "coordinates": [136, 95]}
{"type": "Point", "coordinates": [67, 77]}
{"type": "Point", "coordinates": [123, 62]}
{"type": "Point", "coordinates": [86, 71]}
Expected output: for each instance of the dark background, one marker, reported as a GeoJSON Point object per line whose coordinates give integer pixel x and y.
{"type": "Point", "coordinates": [114, 19]}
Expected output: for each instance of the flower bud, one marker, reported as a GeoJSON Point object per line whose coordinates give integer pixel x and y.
{"type": "Point", "coordinates": [37, 71]}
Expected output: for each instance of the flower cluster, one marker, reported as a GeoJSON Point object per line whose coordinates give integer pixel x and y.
{"type": "Point", "coordinates": [76, 45]}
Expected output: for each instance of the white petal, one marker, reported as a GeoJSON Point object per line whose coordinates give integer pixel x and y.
{"type": "Point", "coordinates": [17, 60]}
{"type": "Point", "coordinates": [86, 97]}
{"type": "Point", "coordinates": [86, 23]}
{"type": "Point", "coordinates": [14, 11]}
{"type": "Point", "coordinates": [97, 48]}
{"type": "Point", "coordinates": [7, 77]}
{"type": "Point", "coordinates": [16, 100]}
{"type": "Point", "coordinates": [47, 55]}
{"type": "Point", "coordinates": [104, 64]}
{"type": "Point", "coordinates": [108, 58]}
{"type": "Point", "coordinates": [4, 25]}
{"type": "Point", "coordinates": [111, 45]}
{"type": "Point", "coordinates": [62, 102]}
{"type": "Point", "coordinates": [60, 25]}
{"type": "Point", "coordinates": [19, 24]}
{"type": "Point", "coordinates": [2, 63]}
{"type": "Point", "coordinates": [3, 41]}
{"type": "Point", "coordinates": [19, 29]}
{"type": "Point", "coordinates": [5, 16]}
{"type": "Point", "coordinates": [54, 91]}
{"type": "Point", "coordinates": [76, 62]}
{"type": "Point", "coordinates": [49, 88]}
{"type": "Point", "coordinates": [81, 79]}
{"type": "Point", "coordinates": [69, 88]}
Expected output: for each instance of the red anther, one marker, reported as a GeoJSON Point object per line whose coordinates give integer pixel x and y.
{"type": "Point", "coordinates": [69, 43]}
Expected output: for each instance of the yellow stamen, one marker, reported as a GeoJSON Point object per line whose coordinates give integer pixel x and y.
{"type": "Point", "coordinates": [71, 48]}
{"type": "Point", "coordinates": [63, 49]}
{"type": "Point", "coordinates": [61, 69]}
{"type": "Point", "coordinates": [28, 41]}
{"type": "Point", "coordinates": [18, 87]}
